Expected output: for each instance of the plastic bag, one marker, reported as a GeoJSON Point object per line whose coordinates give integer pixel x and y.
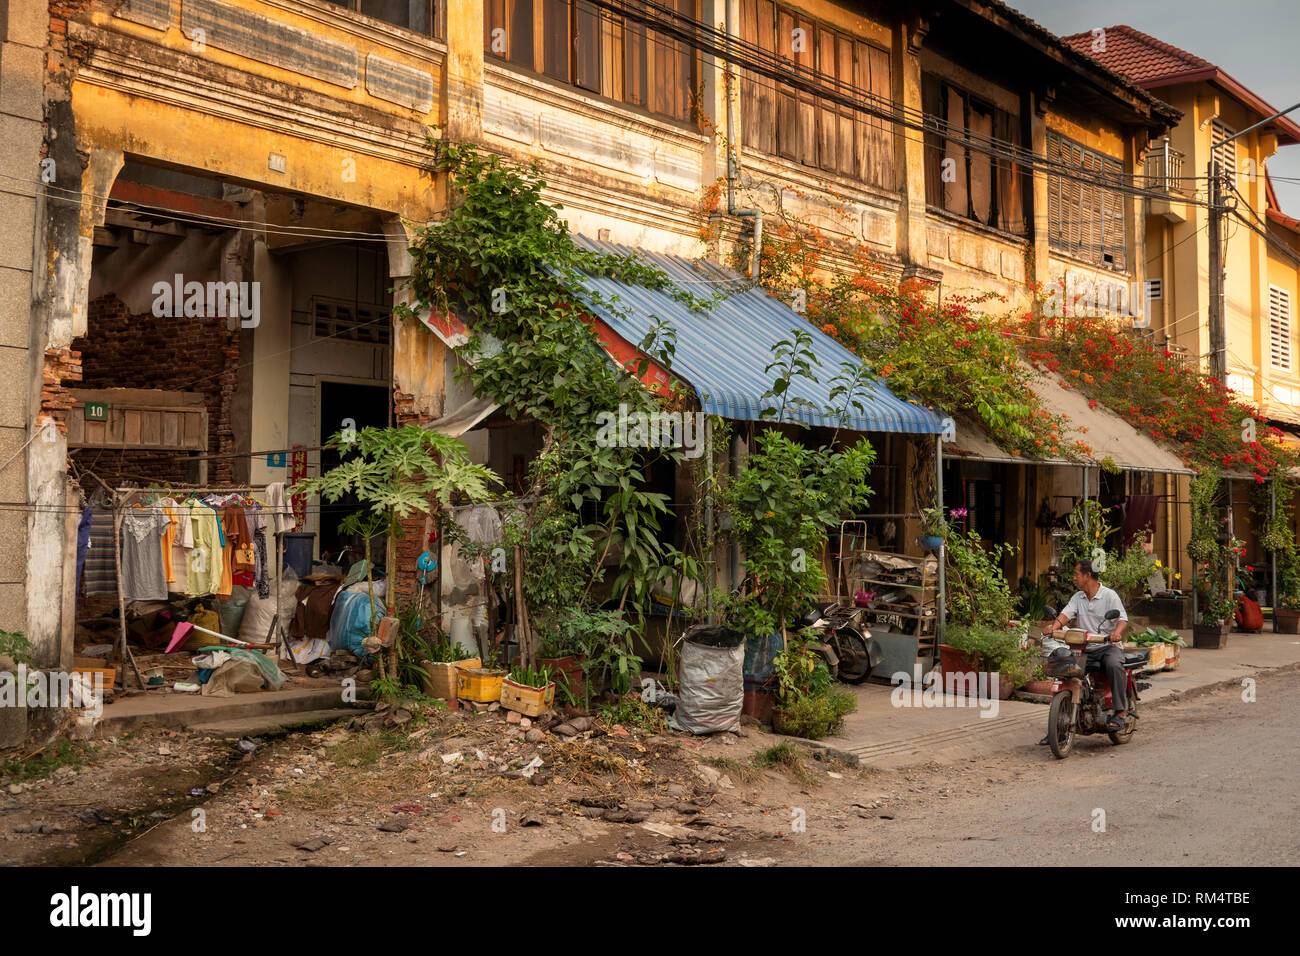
{"type": "Point", "coordinates": [350, 621]}
{"type": "Point", "coordinates": [256, 623]}
{"type": "Point", "coordinates": [712, 680]}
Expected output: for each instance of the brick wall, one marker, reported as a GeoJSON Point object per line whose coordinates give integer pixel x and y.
{"type": "Point", "coordinates": [181, 354]}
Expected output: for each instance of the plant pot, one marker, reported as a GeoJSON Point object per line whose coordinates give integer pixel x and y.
{"type": "Point", "coordinates": [954, 661]}
{"type": "Point", "coordinates": [931, 542]}
{"type": "Point", "coordinates": [479, 684]}
{"type": "Point", "coordinates": [440, 676]}
{"type": "Point", "coordinates": [1005, 688]}
{"type": "Point", "coordinates": [1286, 621]}
{"type": "Point", "coordinates": [567, 671]}
{"type": "Point", "coordinates": [759, 703]}
{"type": "Point", "coordinates": [1040, 687]}
{"type": "Point", "coordinates": [1211, 636]}
{"type": "Point", "coordinates": [529, 701]}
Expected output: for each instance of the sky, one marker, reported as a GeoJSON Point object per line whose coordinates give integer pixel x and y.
{"type": "Point", "coordinates": [1257, 42]}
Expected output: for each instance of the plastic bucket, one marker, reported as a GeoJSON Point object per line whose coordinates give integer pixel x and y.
{"type": "Point", "coordinates": [298, 546]}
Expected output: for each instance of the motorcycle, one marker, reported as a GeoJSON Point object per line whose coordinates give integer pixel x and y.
{"type": "Point", "coordinates": [1081, 694]}
{"type": "Point", "coordinates": [848, 648]}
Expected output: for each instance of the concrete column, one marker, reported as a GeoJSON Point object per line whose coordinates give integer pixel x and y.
{"type": "Point", "coordinates": [419, 357]}
{"type": "Point", "coordinates": [1041, 252]}
{"type": "Point", "coordinates": [462, 79]}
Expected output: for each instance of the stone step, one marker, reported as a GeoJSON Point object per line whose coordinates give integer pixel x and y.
{"type": "Point", "coordinates": [271, 723]}
{"type": "Point", "coordinates": [177, 711]}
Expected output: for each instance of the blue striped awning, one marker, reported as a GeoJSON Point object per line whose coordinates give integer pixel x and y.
{"type": "Point", "coordinates": [722, 352]}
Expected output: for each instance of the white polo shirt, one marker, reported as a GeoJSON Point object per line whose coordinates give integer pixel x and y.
{"type": "Point", "coordinates": [1091, 614]}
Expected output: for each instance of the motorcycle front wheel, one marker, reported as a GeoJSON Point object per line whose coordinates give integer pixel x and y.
{"type": "Point", "coordinates": [1060, 725]}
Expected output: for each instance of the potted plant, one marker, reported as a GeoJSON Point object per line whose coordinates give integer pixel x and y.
{"type": "Point", "coordinates": [528, 690]}
{"type": "Point", "coordinates": [442, 658]}
{"type": "Point", "coordinates": [984, 649]}
{"type": "Point", "coordinates": [809, 704]}
{"type": "Point", "coordinates": [934, 529]}
{"type": "Point", "coordinates": [1216, 622]}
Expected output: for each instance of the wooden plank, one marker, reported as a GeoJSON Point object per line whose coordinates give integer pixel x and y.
{"type": "Point", "coordinates": [172, 429]}
{"type": "Point", "coordinates": [151, 429]}
{"type": "Point", "coordinates": [132, 426]}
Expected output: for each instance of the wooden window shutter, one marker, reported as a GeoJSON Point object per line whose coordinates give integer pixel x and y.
{"type": "Point", "coordinates": [828, 126]}
{"type": "Point", "coordinates": [1010, 188]}
{"type": "Point", "coordinates": [807, 62]}
{"type": "Point", "coordinates": [787, 123]}
{"type": "Point", "coordinates": [931, 98]}
{"type": "Point", "coordinates": [557, 43]}
{"type": "Point", "coordinates": [634, 64]}
{"type": "Point", "coordinates": [981, 166]}
{"type": "Point", "coordinates": [1279, 328]}
{"type": "Point", "coordinates": [750, 82]}
{"type": "Point", "coordinates": [586, 45]}
{"type": "Point", "coordinates": [956, 197]}
{"type": "Point", "coordinates": [882, 140]}
{"type": "Point", "coordinates": [1113, 224]}
{"type": "Point", "coordinates": [847, 138]}
{"type": "Point", "coordinates": [1055, 227]}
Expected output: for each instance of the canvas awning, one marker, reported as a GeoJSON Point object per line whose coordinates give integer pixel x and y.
{"type": "Point", "coordinates": [722, 352]}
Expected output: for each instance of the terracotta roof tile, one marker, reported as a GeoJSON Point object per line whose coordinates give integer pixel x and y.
{"type": "Point", "coordinates": [1139, 55]}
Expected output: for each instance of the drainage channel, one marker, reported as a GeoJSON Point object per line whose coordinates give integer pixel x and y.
{"type": "Point", "coordinates": [186, 789]}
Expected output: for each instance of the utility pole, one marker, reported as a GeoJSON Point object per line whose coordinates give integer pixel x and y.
{"type": "Point", "coordinates": [1218, 334]}
{"type": "Point", "coordinates": [1218, 265]}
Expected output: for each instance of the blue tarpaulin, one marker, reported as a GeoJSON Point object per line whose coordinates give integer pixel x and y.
{"type": "Point", "coordinates": [722, 352]}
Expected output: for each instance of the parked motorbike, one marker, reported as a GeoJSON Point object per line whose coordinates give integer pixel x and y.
{"type": "Point", "coordinates": [851, 653]}
{"type": "Point", "coordinates": [1081, 694]}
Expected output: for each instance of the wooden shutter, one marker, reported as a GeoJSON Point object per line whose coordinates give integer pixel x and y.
{"type": "Point", "coordinates": [956, 196]}
{"type": "Point", "coordinates": [787, 107]}
{"type": "Point", "coordinates": [828, 126]}
{"type": "Point", "coordinates": [1225, 155]}
{"type": "Point", "coordinates": [515, 18]}
{"type": "Point", "coordinates": [1055, 227]}
{"type": "Point", "coordinates": [1010, 195]}
{"type": "Point", "coordinates": [806, 60]}
{"type": "Point", "coordinates": [557, 39]}
{"type": "Point", "coordinates": [847, 160]}
{"type": "Point", "coordinates": [634, 64]}
{"type": "Point", "coordinates": [586, 45]}
{"type": "Point", "coordinates": [882, 140]}
{"type": "Point", "coordinates": [931, 106]}
{"type": "Point", "coordinates": [1279, 327]}
{"type": "Point", "coordinates": [981, 165]}
{"type": "Point", "coordinates": [1113, 223]}
{"type": "Point", "coordinates": [757, 92]}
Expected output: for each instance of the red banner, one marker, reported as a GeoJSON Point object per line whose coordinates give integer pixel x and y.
{"type": "Point", "coordinates": [297, 472]}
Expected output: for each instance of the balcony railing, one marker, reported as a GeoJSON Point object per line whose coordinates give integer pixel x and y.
{"type": "Point", "coordinates": [1164, 169]}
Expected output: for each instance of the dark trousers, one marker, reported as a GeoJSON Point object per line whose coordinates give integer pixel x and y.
{"type": "Point", "coordinates": [1112, 664]}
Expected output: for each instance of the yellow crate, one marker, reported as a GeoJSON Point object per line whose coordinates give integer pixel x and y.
{"type": "Point", "coordinates": [529, 701]}
{"type": "Point", "coordinates": [1158, 657]}
{"type": "Point", "coordinates": [479, 684]}
{"type": "Point", "coordinates": [440, 677]}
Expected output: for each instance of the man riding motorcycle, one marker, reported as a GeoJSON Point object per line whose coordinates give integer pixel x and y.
{"type": "Point", "coordinates": [1089, 605]}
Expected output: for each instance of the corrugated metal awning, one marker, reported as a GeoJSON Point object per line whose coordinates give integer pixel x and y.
{"type": "Point", "coordinates": [722, 353]}
{"type": "Point", "coordinates": [1108, 435]}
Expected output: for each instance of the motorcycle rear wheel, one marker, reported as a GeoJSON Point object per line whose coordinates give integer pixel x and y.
{"type": "Point", "coordinates": [1060, 725]}
{"type": "Point", "coordinates": [1124, 736]}
{"type": "Point", "coordinates": [855, 662]}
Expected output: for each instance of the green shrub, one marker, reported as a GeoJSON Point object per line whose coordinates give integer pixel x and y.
{"type": "Point", "coordinates": [814, 716]}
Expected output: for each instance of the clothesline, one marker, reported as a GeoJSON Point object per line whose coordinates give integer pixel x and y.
{"type": "Point", "coordinates": [121, 501]}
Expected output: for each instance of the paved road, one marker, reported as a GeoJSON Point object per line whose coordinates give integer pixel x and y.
{"type": "Point", "coordinates": [1207, 781]}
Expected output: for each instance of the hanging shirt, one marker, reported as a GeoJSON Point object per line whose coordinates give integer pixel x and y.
{"type": "Point", "coordinates": [176, 558]}
{"type": "Point", "coordinates": [205, 557]}
{"type": "Point", "coordinates": [142, 566]}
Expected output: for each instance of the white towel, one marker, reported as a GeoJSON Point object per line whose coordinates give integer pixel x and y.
{"type": "Point", "coordinates": [278, 508]}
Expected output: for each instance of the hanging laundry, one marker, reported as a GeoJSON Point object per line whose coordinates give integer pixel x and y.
{"type": "Point", "coordinates": [177, 543]}
{"type": "Point", "coordinates": [100, 575]}
{"type": "Point", "coordinates": [257, 524]}
{"type": "Point", "coordinates": [279, 512]}
{"type": "Point", "coordinates": [83, 542]}
{"type": "Point", "coordinates": [142, 566]}
{"type": "Point", "coordinates": [205, 558]}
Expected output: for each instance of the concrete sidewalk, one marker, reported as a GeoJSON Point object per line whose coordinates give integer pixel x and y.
{"type": "Point", "coordinates": [886, 736]}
